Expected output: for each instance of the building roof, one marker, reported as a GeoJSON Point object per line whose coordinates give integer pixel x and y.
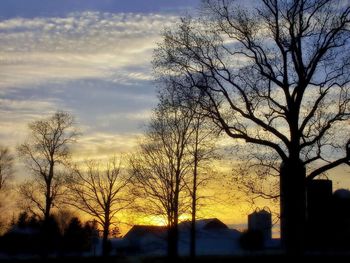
{"type": "Point", "coordinates": [342, 194]}
{"type": "Point", "coordinates": [139, 231]}
{"type": "Point", "coordinates": [143, 230]}
{"type": "Point", "coordinates": [205, 224]}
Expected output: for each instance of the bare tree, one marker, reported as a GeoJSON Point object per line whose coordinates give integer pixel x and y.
{"type": "Point", "coordinates": [6, 166]}
{"type": "Point", "coordinates": [6, 174]}
{"type": "Point", "coordinates": [200, 148]}
{"type": "Point", "coordinates": [275, 75]}
{"type": "Point", "coordinates": [161, 166]}
{"type": "Point", "coordinates": [46, 152]}
{"type": "Point", "coordinates": [101, 192]}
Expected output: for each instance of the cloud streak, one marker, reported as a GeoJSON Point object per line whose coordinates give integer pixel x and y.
{"type": "Point", "coordinates": [81, 45]}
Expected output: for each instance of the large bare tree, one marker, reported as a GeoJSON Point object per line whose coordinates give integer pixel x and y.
{"type": "Point", "coordinates": [46, 153]}
{"type": "Point", "coordinates": [274, 74]}
{"type": "Point", "coordinates": [100, 191]}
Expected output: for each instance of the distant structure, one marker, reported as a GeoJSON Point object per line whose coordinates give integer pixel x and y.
{"type": "Point", "coordinates": [328, 216]}
{"type": "Point", "coordinates": [319, 198]}
{"type": "Point", "coordinates": [213, 238]}
{"type": "Point", "coordinates": [341, 220]}
{"type": "Point", "coordinates": [261, 220]}
{"type": "Point", "coordinates": [319, 202]}
{"type": "Point", "coordinates": [144, 239]}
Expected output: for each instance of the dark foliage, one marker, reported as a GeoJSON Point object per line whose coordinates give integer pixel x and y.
{"type": "Point", "coordinates": [30, 235]}
{"type": "Point", "coordinates": [77, 238]}
{"type": "Point", "coordinates": [252, 240]}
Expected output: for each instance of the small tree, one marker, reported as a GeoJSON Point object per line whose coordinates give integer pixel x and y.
{"type": "Point", "coordinates": [46, 152]}
{"type": "Point", "coordinates": [6, 174]}
{"type": "Point", "coordinates": [160, 167]}
{"type": "Point", "coordinates": [202, 150]}
{"type": "Point", "coordinates": [77, 238]}
{"type": "Point", "coordinates": [200, 147]}
{"type": "Point", "coordinates": [6, 166]}
{"type": "Point", "coordinates": [101, 192]}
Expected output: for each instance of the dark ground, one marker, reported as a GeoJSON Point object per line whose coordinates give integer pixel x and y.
{"type": "Point", "coordinates": [204, 259]}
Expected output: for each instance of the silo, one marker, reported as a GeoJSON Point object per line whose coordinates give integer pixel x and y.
{"type": "Point", "coordinates": [319, 197]}
{"type": "Point", "coordinates": [261, 220]}
{"type": "Point", "coordinates": [319, 214]}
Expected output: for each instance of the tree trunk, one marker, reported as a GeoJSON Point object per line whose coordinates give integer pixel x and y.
{"type": "Point", "coordinates": [48, 201]}
{"type": "Point", "coordinates": [193, 215]}
{"type": "Point", "coordinates": [105, 245]}
{"type": "Point", "coordinates": [48, 204]}
{"type": "Point", "coordinates": [173, 229]}
{"type": "Point", "coordinates": [194, 194]}
{"type": "Point", "coordinates": [193, 234]}
{"type": "Point", "coordinates": [172, 242]}
{"type": "Point", "coordinates": [293, 206]}
{"type": "Point", "coordinates": [48, 197]}
{"type": "Point", "coordinates": [193, 230]}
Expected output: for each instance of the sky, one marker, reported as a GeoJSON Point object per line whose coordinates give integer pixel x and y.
{"type": "Point", "coordinates": [90, 58]}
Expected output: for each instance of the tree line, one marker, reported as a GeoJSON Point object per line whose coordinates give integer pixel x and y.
{"type": "Point", "coordinates": [162, 178]}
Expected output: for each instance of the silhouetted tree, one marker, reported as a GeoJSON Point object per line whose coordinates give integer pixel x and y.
{"type": "Point", "coordinates": [160, 166]}
{"type": "Point", "coordinates": [91, 228]}
{"type": "Point", "coordinates": [31, 235]}
{"type": "Point", "coordinates": [63, 217]}
{"type": "Point", "coordinates": [200, 147]}
{"type": "Point", "coordinates": [77, 237]}
{"type": "Point", "coordinates": [22, 219]}
{"type": "Point", "coordinates": [6, 166]}
{"type": "Point", "coordinates": [275, 75]}
{"type": "Point", "coordinates": [50, 236]}
{"type": "Point", "coordinates": [22, 236]}
{"type": "Point", "coordinates": [45, 153]}
{"type": "Point", "coordinates": [101, 192]}
{"type": "Point", "coordinates": [6, 174]}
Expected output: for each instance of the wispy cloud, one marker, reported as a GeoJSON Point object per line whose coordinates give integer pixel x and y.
{"type": "Point", "coordinates": [102, 145]}
{"type": "Point", "coordinates": [81, 45]}
{"type": "Point", "coordinates": [15, 115]}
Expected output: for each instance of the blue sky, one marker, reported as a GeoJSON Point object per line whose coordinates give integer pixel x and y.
{"type": "Point", "coordinates": [35, 8]}
{"type": "Point", "coordinates": [91, 58]}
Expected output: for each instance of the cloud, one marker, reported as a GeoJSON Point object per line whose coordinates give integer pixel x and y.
{"type": "Point", "coordinates": [102, 145]}
{"type": "Point", "coordinates": [16, 114]}
{"type": "Point", "coordinates": [81, 45]}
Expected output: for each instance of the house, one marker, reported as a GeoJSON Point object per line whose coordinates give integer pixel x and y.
{"type": "Point", "coordinates": [145, 239]}
{"type": "Point", "coordinates": [213, 237]}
